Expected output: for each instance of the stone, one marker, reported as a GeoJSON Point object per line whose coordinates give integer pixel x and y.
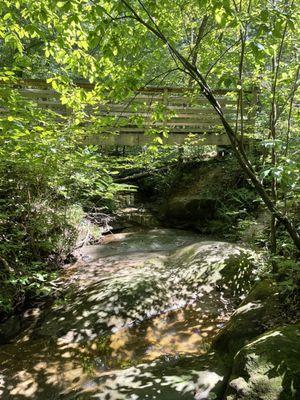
{"type": "Point", "coordinates": [89, 340]}
{"type": "Point", "coordinates": [152, 283]}
{"type": "Point", "coordinates": [206, 196]}
{"type": "Point", "coordinates": [228, 268]}
{"type": "Point", "coordinates": [184, 378]}
{"type": "Point", "coordinates": [268, 368]}
{"type": "Point", "coordinates": [256, 313]}
{"type": "Point", "coordinates": [189, 212]}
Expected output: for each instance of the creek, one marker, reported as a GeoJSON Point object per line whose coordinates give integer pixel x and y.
{"type": "Point", "coordinates": [135, 320]}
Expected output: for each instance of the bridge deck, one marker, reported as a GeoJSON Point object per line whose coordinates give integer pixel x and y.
{"type": "Point", "coordinates": [176, 111]}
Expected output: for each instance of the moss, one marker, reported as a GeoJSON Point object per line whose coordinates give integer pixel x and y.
{"type": "Point", "coordinates": [268, 368]}
{"type": "Point", "coordinates": [230, 269]}
{"type": "Point", "coordinates": [255, 314]}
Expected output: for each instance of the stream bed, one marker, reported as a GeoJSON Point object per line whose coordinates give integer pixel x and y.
{"type": "Point", "coordinates": [135, 320]}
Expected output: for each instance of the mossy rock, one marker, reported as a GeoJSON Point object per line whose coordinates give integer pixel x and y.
{"type": "Point", "coordinates": [254, 316]}
{"type": "Point", "coordinates": [189, 212]}
{"type": "Point", "coordinates": [227, 268]}
{"type": "Point", "coordinates": [208, 271]}
{"type": "Point", "coordinates": [209, 197]}
{"type": "Point", "coordinates": [268, 368]}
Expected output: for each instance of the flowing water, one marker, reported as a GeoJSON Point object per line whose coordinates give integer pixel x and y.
{"type": "Point", "coordinates": [135, 321]}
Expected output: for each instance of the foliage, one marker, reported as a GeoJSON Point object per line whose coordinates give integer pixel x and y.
{"type": "Point", "coordinates": [44, 166]}
{"type": "Point", "coordinates": [43, 174]}
{"type": "Point", "coordinates": [288, 278]}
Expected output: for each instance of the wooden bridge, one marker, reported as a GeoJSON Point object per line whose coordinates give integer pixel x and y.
{"type": "Point", "coordinates": [176, 111]}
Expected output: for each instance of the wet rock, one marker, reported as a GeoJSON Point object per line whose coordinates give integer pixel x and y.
{"type": "Point", "coordinates": [202, 196]}
{"type": "Point", "coordinates": [187, 378]}
{"type": "Point", "coordinates": [268, 368]}
{"type": "Point", "coordinates": [134, 216]}
{"type": "Point", "coordinates": [150, 284]}
{"type": "Point", "coordinates": [227, 268]}
{"type": "Point", "coordinates": [87, 340]}
{"type": "Point", "coordinates": [211, 380]}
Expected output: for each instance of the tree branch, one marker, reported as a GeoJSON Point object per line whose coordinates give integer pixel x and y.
{"type": "Point", "coordinates": [200, 35]}
{"type": "Point", "coordinates": [221, 56]}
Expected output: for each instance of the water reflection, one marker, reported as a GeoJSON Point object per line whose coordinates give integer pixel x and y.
{"type": "Point", "coordinates": [186, 331]}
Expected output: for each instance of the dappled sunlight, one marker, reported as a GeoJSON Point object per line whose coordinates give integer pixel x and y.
{"type": "Point", "coordinates": [178, 332]}
{"type": "Point", "coordinates": [267, 336]}
{"type": "Point", "coordinates": [205, 382]}
{"type": "Point", "coordinates": [41, 371]}
{"type": "Point", "coordinates": [245, 308]}
{"type": "Point", "coordinates": [39, 367]}
{"type": "Point", "coordinates": [137, 242]}
{"type": "Point", "coordinates": [26, 386]}
{"type": "Point", "coordinates": [129, 321]}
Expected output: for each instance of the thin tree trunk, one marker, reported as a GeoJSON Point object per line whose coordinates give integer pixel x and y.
{"type": "Point", "coordinates": [195, 50]}
{"type": "Point", "coordinates": [273, 240]}
{"type": "Point", "coordinates": [289, 126]}
{"type": "Point", "coordinates": [273, 118]}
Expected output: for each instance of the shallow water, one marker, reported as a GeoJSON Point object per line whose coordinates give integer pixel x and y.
{"type": "Point", "coordinates": [120, 311]}
{"type": "Point", "coordinates": [183, 331]}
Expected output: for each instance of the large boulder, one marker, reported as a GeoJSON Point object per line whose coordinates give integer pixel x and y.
{"type": "Point", "coordinates": [209, 271]}
{"type": "Point", "coordinates": [193, 205]}
{"type": "Point", "coordinates": [208, 196]}
{"type": "Point", "coordinates": [268, 368]}
{"type": "Point", "coordinates": [184, 378]}
{"type": "Point", "coordinates": [167, 378]}
{"type": "Point", "coordinates": [226, 268]}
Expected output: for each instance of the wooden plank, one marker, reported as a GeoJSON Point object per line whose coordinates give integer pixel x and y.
{"type": "Point", "coordinates": [174, 89]}
{"type": "Point", "coordinates": [141, 130]}
{"type": "Point", "coordinates": [84, 84]}
{"type": "Point", "coordinates": [38, 93]}
{"type": "Point", "coordinates": [49, 103]}
{"type": "Point", "coordinates": [141, 140]}
{"type": "Point", "coordinates": [187, 111]}
{"type": "Point", "coordinates": [49, 94]}
{"type": "Point", "coordinates": [172, 110]}
{"type": "Point", "coordinates": [190, 117]}
{"type": "Point", "coordinates": [179, 101]}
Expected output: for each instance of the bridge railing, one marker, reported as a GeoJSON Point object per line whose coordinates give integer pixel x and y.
{"type": "Point", "coordinates": [177, 111]}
